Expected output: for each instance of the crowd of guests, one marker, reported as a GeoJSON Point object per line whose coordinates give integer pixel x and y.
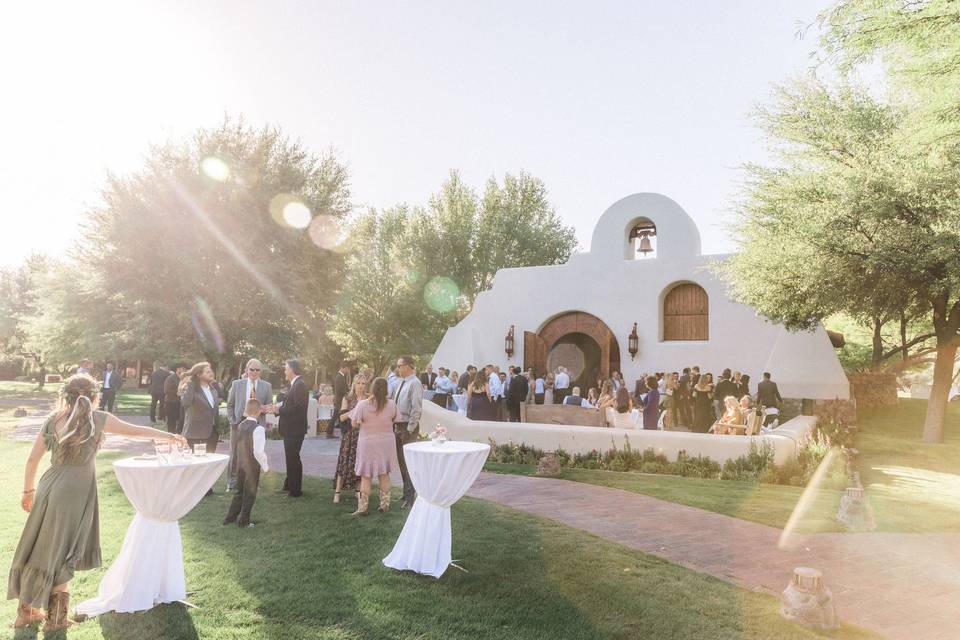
{"type": "Point", "coordinates": [686, 399]}
{"type": "Point", "coordinates": [376, 416]}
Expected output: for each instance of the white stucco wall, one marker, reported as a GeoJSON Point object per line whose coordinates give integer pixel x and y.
{"type": "Point", "coordinates": [784, 441]}
{"type": "Point", "coordinates": [621, 291]}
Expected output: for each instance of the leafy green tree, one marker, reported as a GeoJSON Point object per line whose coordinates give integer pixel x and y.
{"type": "Point", "coordinates": [417, 271]}
{"type": "Point", "coordinates": [378, 316]}
{"type": "Point", "coordinates": [202, 249]}
{"type": "Point", "coordinates": [919, 41]}
{"type": "Point", "coordinates": [855, 218]}
{"type": "Point", "coordinates": [18, 302]}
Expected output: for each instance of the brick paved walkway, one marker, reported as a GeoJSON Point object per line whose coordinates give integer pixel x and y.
{"type": "Point", "coordinates": [906, 586]}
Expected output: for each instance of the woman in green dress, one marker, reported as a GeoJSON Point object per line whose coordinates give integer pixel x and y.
{"type": "Point", "coordinates": [62, 532]}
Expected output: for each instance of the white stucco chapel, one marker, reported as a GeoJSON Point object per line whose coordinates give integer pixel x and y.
{"type": "Point", "coordinates": [644, 268]}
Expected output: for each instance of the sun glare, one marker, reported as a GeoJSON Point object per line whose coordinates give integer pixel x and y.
{"type": "Point", "coordinates": [215, 169]}
{"type": "Point", "coordinates": [297, 215]}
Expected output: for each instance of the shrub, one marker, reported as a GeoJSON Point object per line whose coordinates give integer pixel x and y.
{"type": "Point", "coordinates": [750, 466]}
{"type": "Point", "coordinates": [755, 466]}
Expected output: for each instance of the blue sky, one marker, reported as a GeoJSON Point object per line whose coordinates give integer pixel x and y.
{"type": "Point", "coordinates": [599, 99]}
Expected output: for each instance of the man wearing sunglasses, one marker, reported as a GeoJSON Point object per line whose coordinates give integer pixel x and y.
{"type": "Point", "coordinates": [248, 387]}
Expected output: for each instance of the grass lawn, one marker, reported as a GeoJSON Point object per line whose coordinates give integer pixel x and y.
{"type": "Point", "coordinates": [311, 571]}
{"type": "Point", "coordinates": [913, 487]}
{"type": "Point", "coordinates": [133, 402]}
{"type": "Point", "coordinates": [10, 390]}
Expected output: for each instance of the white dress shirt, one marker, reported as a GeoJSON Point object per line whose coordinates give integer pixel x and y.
{"type": "Point", "coordinates": [106, 380]}
{"type": "Point", "coordinates": [208, 393]}
{"type": "Point", "coordinates": [562, 381]}
{"type": "Point", "coordinates": [444, 385]}
{"type": "Point", "coordinates": [247, 394]}
{"type": "Point", "coordinates": [494, 382]}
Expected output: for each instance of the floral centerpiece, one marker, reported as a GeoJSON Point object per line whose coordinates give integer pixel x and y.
{"type": "Point", "coordinates": [439, 435]}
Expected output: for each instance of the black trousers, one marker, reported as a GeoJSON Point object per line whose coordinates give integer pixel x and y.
{"type": "Point", "coordinates": [559, 395]}
{"type": "Point", "coordinates": [211, 442]}
{"type": "Point", "coordinates": [174, 417]}
{"type": "Point", "coordinates": [155, 401]}
{"type": "Point", "coordinates": [108, 398]}
{"type": "Point", "coordinates": [405, 437]}
{"type": "Point", "coordinates": [514, 412]}
{"type": "Point", "coordinates": [538, 398]}
{"type": "Point", "coordinates": [245, 493]}
{"type": "Point", "coordinates": [293, 483]}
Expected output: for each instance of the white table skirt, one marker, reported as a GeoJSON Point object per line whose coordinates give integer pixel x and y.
{"type": "Point", "coordinates": [461, 400]}
{"type": "Point", "coordinates": [149, 568]}
{"type": "Point", "coordinates": [441, 474]}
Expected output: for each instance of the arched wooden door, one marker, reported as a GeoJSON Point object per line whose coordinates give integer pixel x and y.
{"type": "Point", "coordinates": [686, 313]}
{"type": "Point", "coordinates": [587, 324]}
{"type": "Point", "coordinates": [534, 353]}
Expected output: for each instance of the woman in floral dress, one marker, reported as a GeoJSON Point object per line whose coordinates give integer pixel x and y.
{"type": "Point", "coordinates": [346, 479]}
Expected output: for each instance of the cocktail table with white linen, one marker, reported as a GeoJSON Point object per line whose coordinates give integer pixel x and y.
{"type": "Point", "coordinates": [149, 568]}
{"type": "Point", "coordinates": [441, 474]}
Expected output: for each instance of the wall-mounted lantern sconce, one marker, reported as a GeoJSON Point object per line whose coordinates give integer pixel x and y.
{"type": "Point", "coordinates": [633, 342]}
{"type": "Point", "coordinates": [508, 343]}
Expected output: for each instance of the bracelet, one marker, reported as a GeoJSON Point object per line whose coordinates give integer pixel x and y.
{"type": "Point", "coordinates": [29, 492]}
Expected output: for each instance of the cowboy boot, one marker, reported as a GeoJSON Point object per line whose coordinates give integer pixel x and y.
{"type": "Point", "coordinates": [363, 504]}
{"type": "Point", "coordinates": [27, 615]}
{"type": "Point", "coordinates": [57, 612]}
{"type": "Point", "coordinates": [384, 501]}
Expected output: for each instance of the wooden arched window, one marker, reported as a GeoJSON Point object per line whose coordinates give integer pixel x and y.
{"type": "Point", "coordinates": [686, 313]}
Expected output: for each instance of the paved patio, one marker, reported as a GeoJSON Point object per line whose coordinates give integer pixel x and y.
{"type": "Point", "coordinates": [906, 586]}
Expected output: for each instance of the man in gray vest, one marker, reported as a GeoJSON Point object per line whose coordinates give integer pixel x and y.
{"type": "Point", "coordinates": [251, 386]}
{"type": "Point", "coordinates": [251, 460]}
{"type": "Point", "coordinates": [409, 399]}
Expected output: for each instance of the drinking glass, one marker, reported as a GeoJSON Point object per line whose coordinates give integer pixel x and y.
{"type": "Point", "coordinates": [200, 449]}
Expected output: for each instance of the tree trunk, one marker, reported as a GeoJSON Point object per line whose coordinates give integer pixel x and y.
{"type": "Point", "coordinates": [940, 389]}
{"type": "Point", "coordinates": [877, 356]}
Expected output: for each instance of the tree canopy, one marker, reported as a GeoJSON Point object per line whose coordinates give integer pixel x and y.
{"type": "Point", "coordinates": [853, 217]}
{"type": "Point", "coordinates": [414, 272]}
{"type": "Point", "coordinates": [199, 251]}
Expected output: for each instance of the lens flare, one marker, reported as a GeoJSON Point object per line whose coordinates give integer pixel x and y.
{"type": "Point", "coordinates": [297, 215]}
{"type": "Point", "coordinates": [215, 168]}
{"type": "Point", "coordinates": [288, 210]}
{"type": "Point", "coordinates": [441, 294]}
{"type": "Point", "coordinates": [327, 233]}
{"type": "Point", "coordinates": [205, 324]}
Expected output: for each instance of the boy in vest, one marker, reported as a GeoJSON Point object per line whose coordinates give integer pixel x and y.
{"type": "Point", "coordinates": [251, 460]}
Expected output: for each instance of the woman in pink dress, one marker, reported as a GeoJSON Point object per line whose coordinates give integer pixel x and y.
{"type": "Point", "coordinates": [376, 445]}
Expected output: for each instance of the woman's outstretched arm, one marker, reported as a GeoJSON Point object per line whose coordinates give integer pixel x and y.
{"type": "Point", "coordinates": [118, 427]}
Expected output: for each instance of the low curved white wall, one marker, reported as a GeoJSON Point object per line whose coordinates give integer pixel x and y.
{"type": "Point", "coordinates": [575, 439]}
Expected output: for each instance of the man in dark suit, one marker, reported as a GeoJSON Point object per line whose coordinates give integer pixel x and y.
{"type": "Point", "coordinates": [171, 400]}
{"type": "Point", "coordinates": [768, 395]}
{"type": "Point", "coordinates": [517, 393]}
{"type": "Point", "coordinates": [157, 378]}
{"type": "Point", "coordinates": [341, 387]}
{"type": "Point", "coordinates": [681, 396]}
{"type": "Point", "coordinates": [465, 378]}
{"type": "Point", "coordinates": [724, 388]}
{"type": "Point", "coordinates": [293, 425]}
{"type": "Point", "coordinates": [109, 387]}
{"type": "Point", "coordinates": [428, 377]}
